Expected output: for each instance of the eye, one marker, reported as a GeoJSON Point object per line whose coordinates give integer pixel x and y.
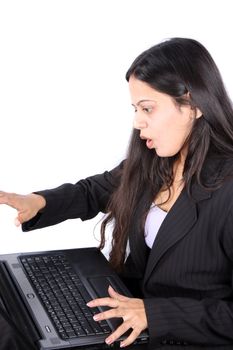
{"type": "Point", "coordinates": [147, 109]}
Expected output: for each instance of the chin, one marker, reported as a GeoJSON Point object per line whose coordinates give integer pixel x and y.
{"type": "Point", "coordinates": [164, 154]}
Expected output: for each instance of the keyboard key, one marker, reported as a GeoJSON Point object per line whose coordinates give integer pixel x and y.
{"type": "Point", "coordinates": [63, 295]}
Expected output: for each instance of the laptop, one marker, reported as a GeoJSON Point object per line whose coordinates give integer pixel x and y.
{"type": "Point", "coordinates": [44, 295]}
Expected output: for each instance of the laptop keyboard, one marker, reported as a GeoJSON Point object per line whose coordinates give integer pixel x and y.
{"type": "Point", "coordinates": [63, 295]}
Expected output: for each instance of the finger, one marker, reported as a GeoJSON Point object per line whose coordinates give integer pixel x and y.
{"type": "Point", "coordinates": [131, 338]}
{"type": "Point", "coordinates": [116, 295]}
{"type": "Point", "coordinates": [2, 193]}
{"type": "Point", "coordinates": [3, 197]}
{"type": "Point", "coordinates": [8, 199]}
{"type": "Point", "coordinates": [103, 302]}
{"type": "Point", "coordinates": [105, 315]}
{"type": "Point", "coordinates": [124, 327]}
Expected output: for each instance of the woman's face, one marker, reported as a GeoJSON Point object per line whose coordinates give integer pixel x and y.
{"type": "Point", "coordinates": [163, 124]}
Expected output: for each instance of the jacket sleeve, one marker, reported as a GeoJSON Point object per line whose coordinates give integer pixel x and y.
{"type": "Point", "coordinates": [185, 320]}
{"type": "Point", "coordinates": [83, 200]}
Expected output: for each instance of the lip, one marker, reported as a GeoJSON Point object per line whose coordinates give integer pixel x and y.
{"type": "Point", "coordinates": [149, 141]}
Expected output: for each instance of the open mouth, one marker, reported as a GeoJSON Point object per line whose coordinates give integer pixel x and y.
{"type": "Point", "coordinates": [149, 143]}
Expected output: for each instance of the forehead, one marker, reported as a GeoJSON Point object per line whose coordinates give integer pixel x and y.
{"type": "Point", "coordinates": [141, 91]}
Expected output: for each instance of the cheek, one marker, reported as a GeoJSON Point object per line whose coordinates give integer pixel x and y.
{"type": "Point", "coordinates": [171, 136]}
{"type": "Point", "coordinates": [177, 134]}
{"type": "Point", "coordinates": [165, 120]}
{"type": "Point", "coordinates": [168, 143]}
{"type": "Point", "coordinates": [171, 123]}
{"type": "Point", "coordinates": [177, 125]}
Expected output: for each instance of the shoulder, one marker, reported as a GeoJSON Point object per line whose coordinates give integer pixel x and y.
{"type": "Point", "coordinates": [217, 170]}
{"type": "Point", "coordinates": [216, 180]}
{"type": "Point", "coordinates": [222, 193]}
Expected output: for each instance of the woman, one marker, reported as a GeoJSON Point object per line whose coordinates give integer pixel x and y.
{"type": "Point", "coordinates": [171, 201]}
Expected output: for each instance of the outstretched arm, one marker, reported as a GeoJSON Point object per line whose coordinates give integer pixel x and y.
{"type": "Point", "coordinates": [84, 200]}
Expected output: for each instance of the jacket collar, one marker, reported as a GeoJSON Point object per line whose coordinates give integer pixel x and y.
{"type": "Point", "coordinates": [178, 223]}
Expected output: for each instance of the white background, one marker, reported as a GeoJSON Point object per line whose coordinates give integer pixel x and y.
{"type": "Point", "coordinates": [64, 106]}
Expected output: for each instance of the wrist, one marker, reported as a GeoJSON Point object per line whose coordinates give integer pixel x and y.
{"type": "Point", "coordinates": [40, 201]}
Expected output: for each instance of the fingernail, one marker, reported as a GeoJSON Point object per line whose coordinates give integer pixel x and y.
{"type": "Point", "coordinates": [108, 340]}
{"type": "Point", "coordinates": [122, 345]}
{"type": "Point", "coordinates": [17, 222]}
{"type": "Point", "coordinates": [96, 317]}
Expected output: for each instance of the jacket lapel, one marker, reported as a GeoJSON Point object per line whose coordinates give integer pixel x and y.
{"type": "Point", "coordinates": [139, 252]}
{"type": "Point", "coordinates": [178, 222]}
{"type": "Point", "coordinates": [138, 248]}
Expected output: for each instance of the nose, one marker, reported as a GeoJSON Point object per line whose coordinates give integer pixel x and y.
{"type": "Point", "coordinates": [139, 122]}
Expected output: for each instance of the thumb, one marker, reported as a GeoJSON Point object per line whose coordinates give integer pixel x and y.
{"type": "Point", "coordinates": [113, 294]}
{"type": "Point", "coordinates": [17, 222]}
{"type": "Point", "coordinates": [21, 218]}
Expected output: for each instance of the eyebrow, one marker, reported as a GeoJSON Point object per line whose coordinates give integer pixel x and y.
{"type": "Point", "coordinates": [141, 101]}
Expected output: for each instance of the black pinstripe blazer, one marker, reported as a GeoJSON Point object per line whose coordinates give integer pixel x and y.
{"type": "Point", "coordinates": [186, 278]}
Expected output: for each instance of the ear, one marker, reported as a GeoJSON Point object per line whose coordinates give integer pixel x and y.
{"type": "Point", "coordinates": [199, 113]}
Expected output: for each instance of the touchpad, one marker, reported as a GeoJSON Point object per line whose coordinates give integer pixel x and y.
{"type": "Point", "coordinates": [100, 285]}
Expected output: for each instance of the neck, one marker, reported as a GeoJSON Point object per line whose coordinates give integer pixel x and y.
{"type": "Point", "coordinates": [178, 169]}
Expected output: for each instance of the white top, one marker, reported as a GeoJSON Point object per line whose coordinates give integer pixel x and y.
{"type": "Point", "coordinates": [153, 222]}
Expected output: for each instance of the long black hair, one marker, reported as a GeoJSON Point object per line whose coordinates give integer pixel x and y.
{"type": "Point", "coordinates": [177, 67]}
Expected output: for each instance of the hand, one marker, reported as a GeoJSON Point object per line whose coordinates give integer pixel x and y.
{"type": "Point", "coordinates": [132, 311]}
{"type": "Point", "coordinates": [26, 205]}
